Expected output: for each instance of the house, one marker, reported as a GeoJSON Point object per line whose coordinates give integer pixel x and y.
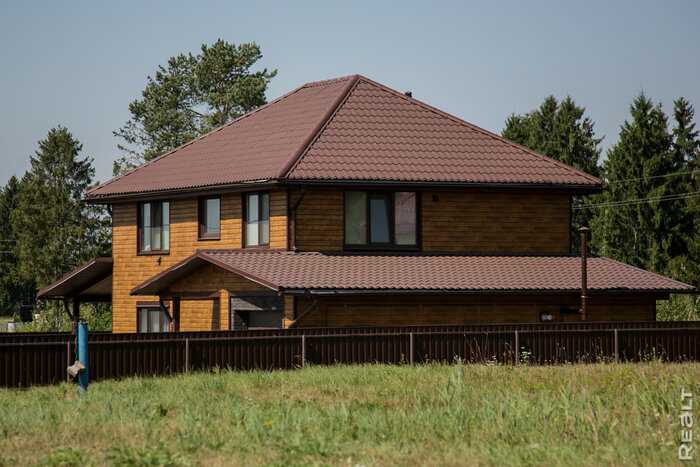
{"type": "Point", "coordinates": [346, 203]}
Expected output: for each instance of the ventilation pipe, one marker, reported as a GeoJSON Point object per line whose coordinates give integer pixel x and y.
{"type": "Point", "coordinates": [583, 231]}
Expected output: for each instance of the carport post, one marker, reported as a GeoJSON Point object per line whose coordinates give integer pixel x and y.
{"type": "Point", "coordinates": [76, 315]}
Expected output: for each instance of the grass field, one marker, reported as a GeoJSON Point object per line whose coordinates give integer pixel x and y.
{"type": "Point", "coordinates": [427, 414]}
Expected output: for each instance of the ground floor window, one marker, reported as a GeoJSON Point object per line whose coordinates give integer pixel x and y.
{"type": "Point", "coordinates": [256, 312]}
{"type": "Point", "coordinates": [153, 319]}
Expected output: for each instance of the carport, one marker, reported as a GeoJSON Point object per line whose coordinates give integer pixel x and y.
{"type": "Point", "coordinates": [91, 282]}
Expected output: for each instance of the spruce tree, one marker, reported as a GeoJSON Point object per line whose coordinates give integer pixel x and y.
{"type": "Point", "coordinates": [55, 232]}
{"type": "Point", "coordinates": [13, 290]}
{"type": "Point", "coordinates": [685, 150]}
{"type": "Point", "coordinates": [640, 233]}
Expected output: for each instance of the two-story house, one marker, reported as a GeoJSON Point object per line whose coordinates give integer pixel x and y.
{"type": "Point", "coordinates": [346, 203]}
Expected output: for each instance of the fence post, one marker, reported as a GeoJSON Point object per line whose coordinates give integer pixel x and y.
{"type": "Point", "coordinates": [187, 354]}
{"type": "Point", "coordinates": [517, 347]}
{"type": "Point", "coordinates": [410, 350]}
{"type": "Point", "coordinates": [617, 347]}
{"type": "Point", "coordinates": [303, 350]}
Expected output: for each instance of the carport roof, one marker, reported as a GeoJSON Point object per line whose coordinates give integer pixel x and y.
{"type": "Point", "coordinates": [91, 281]}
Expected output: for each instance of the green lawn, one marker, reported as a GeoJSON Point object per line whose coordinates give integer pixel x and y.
{"type": "Point", "coordinates": [375, 414]}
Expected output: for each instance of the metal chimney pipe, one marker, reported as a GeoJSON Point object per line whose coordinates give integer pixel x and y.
{"type": "Point", "coordinates": [584, 272]}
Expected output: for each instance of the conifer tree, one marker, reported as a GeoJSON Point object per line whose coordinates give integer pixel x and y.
{"type": "Point", "coordinates": [55, 232]}
{"type": "Point", "coordinates": [190, 96]}
{"type": "Point", "coordinates": [13, 290]}
{"type": "Point", "coordinates": [639, 234]}
{"type": "Point", "coordinates": [685, 150]}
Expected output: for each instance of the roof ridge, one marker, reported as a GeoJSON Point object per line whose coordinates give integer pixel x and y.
{"type": "Point", "coordinates": [480, 130]}
{"type": "Point", "coordinates": [208, 133]}
{"type": "Point", "coordinates": [298, 154]}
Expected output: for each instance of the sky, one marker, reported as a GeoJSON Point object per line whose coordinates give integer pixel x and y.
{"type": "Point", "coordinates": [80, 64]}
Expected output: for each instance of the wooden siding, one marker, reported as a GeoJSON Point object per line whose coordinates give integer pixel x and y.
{"type": "Point", "coordinates": [469, 221]}
{"type": "Point", "coordinates": [425, 311]}
{"type": "Point", "coordinates": [495, 222]}
{"type": "Point", "coordinates": [213, 313]}
{"type": "Point", "coordinates": [320, 220]}
{"type": "Point", "coordinates": [131, 269]}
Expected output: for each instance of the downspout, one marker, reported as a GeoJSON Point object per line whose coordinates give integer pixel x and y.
{"type": "Point", "coordinates": [294, 217]}
{"type": "Point", "coordinates": [163, 309]}
{"type": "Point", "coordinates": [314, 302]}
{"type": "Point", "coordinates": [584, 273]}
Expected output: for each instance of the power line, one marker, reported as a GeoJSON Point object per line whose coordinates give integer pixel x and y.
{"type": "Point", "coordinates": [672, 197]}
{"type": "Point", "coordinates": [654, 176]}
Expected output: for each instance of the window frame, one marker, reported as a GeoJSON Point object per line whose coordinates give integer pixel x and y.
{"type": "Point", "coordinates": [244, 233]}
{"type": "Point", "coordinates": [148, 309]}
{"type": "Point", "coordinates": [201, 209]}
{"type": "Point", "coordinates": [139, 233]}
{"type": "Point", "coordinates": [392, 224]}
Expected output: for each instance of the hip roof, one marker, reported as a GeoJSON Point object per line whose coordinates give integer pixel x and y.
{"type": "Point", "coordinates": [343, 130]}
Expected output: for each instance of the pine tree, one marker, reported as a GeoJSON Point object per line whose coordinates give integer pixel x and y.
{"type": "Point", "coordinates": [561, 131]}
{"type": "Point", "coordinates": [55, 232]}
{"type": "Point", "coordinates": [190, 96]}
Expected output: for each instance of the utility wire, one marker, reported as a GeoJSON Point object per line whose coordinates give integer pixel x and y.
{"type": "Point", "coordinates": [672, 197]}
{"type": "Point", "coordinates": [655, 176]}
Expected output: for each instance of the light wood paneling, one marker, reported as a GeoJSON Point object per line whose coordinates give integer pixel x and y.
{"type": "Point", "coordinates": [131, 269]}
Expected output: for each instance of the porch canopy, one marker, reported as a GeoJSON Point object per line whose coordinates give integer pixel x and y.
{"type": "Point", "coordinates": [91, 282]}
{"type": "Point", "coordinates": [287, 272]}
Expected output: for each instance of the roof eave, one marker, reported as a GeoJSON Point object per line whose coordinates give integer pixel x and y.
{"type": "Point", "coordinates": [181, 192]}
{"type": "Point", "coordinates": [574, 188]}
{"type": "Point", "coordinates": [338, 292]}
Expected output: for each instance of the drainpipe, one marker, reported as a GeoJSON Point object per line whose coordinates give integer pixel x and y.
{"type": "Point", "coordinates": [584, 272]}
{"type": "Point", "coordinates": [294, 217]}
{"type": "Point", "coordinates": [314, 302]}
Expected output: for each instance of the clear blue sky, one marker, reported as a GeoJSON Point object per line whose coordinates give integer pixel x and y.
{"type": "Point", "coordinates": [79, 64]}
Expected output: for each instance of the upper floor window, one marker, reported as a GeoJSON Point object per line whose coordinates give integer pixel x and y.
{"type": "Point", "coordinates": [257, 219]}
{"type": "Point", "coordinates": [209, 218]}
{"type": "Point", "coordinates": [381, 218]}
{"type": "Point", "coordinates": [154, 226]}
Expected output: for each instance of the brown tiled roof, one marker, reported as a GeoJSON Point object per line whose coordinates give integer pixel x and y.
{"type": "Point", "coordinates": [349, 128]}
{"type": "Point", "coordinates": [285, 271]}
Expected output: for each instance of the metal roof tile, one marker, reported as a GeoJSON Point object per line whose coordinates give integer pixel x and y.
{"type": "Point", "coordinates": [347, 128]}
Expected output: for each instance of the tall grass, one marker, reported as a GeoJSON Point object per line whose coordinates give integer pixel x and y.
{"type": "Point", "coordinates": [373, 414]}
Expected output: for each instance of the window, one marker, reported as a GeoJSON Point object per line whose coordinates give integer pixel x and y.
{"type": "Point", "coordinates": [257, 219]}
{"type": "Point", "coordinates": [381, 219]}
{"type": "Point", "coordinates": [153, 319]}
{"type": "Point", "coordinates": [209, 218]}
{"type": "Point", "coordinates": [256, 312]}
{"type": "Point", "coordinates": [154, 226]}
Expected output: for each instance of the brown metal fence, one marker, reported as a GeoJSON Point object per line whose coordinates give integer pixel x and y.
{"type": "Point", "coordinates": [35, 359]}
